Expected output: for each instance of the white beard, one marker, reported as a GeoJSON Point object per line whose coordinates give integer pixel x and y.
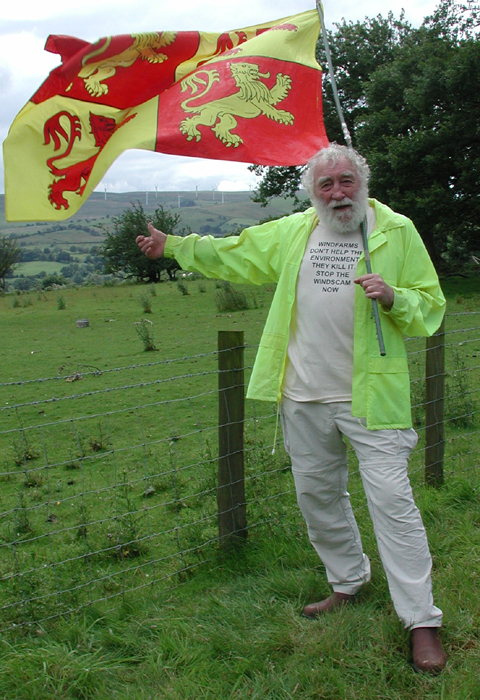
{"type": "Point", "coordinates": [343, 220]}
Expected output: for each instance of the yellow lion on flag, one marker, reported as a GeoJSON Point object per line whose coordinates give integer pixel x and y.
{"type": "Point", "coordinates": [145, 47]}
{"type": "Point", "coordinates": [252, 99]}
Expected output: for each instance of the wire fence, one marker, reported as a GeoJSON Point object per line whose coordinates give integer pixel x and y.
{"type": "Point", "coordinates": [109, 477]}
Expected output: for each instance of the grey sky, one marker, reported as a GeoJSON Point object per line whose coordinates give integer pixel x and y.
{"type": "Point", "coordinates": [24, 65]}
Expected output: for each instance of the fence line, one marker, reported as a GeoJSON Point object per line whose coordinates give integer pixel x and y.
{"type": "Point", "coordinates": [98, 372]}
{"type": "Point", "coordinates": [114, 489]}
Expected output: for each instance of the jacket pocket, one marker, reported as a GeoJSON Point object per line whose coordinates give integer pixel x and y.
{"type": "Point", "coordinates": [388, 393]}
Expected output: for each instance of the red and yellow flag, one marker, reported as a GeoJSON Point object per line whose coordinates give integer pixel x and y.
{"type": "Point", "coordinates": [251, 95]}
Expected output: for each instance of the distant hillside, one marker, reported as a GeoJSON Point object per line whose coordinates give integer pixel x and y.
{"type": "Point", "coordinates": [226, 210]}
{"type": "Point", "coordinates": [50, 246]}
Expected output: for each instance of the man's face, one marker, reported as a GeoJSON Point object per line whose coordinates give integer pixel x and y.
{"type": "Point", "coordinates": [338, 196]}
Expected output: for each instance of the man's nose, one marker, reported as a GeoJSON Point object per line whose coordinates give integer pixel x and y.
{"type": "Point", "coordinates": [337, 191]}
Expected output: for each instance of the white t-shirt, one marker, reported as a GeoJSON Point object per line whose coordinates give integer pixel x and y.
{"type": "Point", "coordinates": [320, 350]}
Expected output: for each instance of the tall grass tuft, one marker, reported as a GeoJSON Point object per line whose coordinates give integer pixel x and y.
{"type": "Point", "coordinates": [144, 329]}
{"type": "Point", "coordinates": [146, 302]}
{"type": "Point", "coordinates": [182, 287]}
{"type": "Point", "coordinates": [227, 298]}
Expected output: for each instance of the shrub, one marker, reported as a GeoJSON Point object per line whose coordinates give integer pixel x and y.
{"type": "Point", "coordinates": [24, 284]}
{"type": "Point", "coordinates": [182, 287]}
{"type": "Point", "coordinates": [144, 329]}
{"type": "Point", "coordinates": [146, 302]}
{"type": "Point", "coordinates": [51, 280]}
{"type": "Point", "coordinates": [227, 298]}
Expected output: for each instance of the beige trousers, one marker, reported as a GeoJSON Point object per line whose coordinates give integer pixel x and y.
{"type": "Point", "coordinates": [313, 434]}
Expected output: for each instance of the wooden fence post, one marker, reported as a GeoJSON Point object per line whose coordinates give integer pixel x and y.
{"type": "Point", "coordinates": [232, 518]}
{"type": "Point", "coordinates": [434, 410]}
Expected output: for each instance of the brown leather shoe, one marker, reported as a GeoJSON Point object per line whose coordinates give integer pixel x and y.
{"type": "Point", "coordinates": [428, 654]}
{"type": "Point", "coordinates": [336, 600]}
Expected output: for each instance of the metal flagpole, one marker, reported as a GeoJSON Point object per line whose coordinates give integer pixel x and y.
{"type": "Point", "coordinates": [346, 133]}
{"type": "Point", "coordinates": [348, 141]}
{"type": "Point", "coordinates": [376, 316]}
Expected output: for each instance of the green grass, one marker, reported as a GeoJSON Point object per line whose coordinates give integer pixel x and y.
{"type": "Point", "coordinates": [33, 268]}
{"type": "Point", "coordinates": [108, 466]}
{"type": "Point", "coordinates": [160, 613]}
{"type": "Point", "coordinates": [235, 629]}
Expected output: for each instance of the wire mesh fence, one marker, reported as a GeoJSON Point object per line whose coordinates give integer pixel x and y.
{"type": "Point", "coordinates": [109, 477]}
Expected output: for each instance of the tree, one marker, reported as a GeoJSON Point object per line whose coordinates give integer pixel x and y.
{"type": "Point", "coordinates": [411, 102]}
{"type": "Point", "coordinates": [122, 255]}
{"type": "Point", "coordinates": [421, 135]}
{"type": "Point", "coordinates": [10, 255]}
{"type": "Point", "coordinates": [277, 182]}
{"type": "Point", "coordinates": [358, 49]}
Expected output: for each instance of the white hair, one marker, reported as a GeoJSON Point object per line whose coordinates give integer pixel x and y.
{"type": "Point", "coordinates": [332, 154]}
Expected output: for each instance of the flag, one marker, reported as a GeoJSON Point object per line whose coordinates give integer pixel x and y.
{"type": "Point", "coordinates": [250, 95]}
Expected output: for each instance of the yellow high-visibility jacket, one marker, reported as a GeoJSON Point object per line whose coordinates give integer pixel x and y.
{"type": "Point", "coordinates": [273, 252]}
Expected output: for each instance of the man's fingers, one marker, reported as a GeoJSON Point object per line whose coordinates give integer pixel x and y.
{"type": "Point", "coordinates": [375, 287]}
{"type": "Point", "coordinates": [370, 282]}
{"type": "Point", "coordinates": [144, 243]}
{"type": "Point", "coordinates": [366, 278]}
{"type": "Point", "coordinates": [152, 245]}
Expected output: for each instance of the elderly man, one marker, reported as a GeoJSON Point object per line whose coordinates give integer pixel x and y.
{"type": "Point", "coordinates": [320, 358]}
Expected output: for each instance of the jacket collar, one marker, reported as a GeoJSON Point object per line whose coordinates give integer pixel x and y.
{"type": "Point", "coordinates": [385, 220]}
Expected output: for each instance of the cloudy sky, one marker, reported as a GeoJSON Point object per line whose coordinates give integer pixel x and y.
{"type": "Point", "coordinates": [24, 65]}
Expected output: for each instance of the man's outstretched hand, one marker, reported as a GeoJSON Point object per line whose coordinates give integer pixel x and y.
{"type": "Point", "coordinates": [152, 246]}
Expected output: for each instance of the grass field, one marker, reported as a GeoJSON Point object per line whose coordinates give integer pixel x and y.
{"type": "Point", "coordinates": [36, 266]}
{"type": "Point", "coordinates": [80, 449]}
{"type": "Point", "coordinates": [160, 612]}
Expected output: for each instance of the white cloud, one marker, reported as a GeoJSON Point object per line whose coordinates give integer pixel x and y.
{"type": "Point", "coordinates": [143, 170]}
{"type": "Point", "coordinates": [235, 185]}
{"type": "Point", "coordinates": [34, 10]}
{"type": "Point", "coordinates": [18, 63]}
